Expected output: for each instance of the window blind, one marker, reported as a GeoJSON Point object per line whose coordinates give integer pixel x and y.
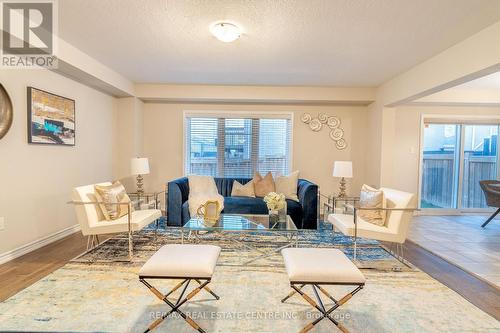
{"type": "Point", "coordinates": [225, 146]}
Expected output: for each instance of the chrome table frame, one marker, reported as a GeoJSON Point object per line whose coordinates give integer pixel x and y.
{"type": "Point", "coordinates": [292, 237]}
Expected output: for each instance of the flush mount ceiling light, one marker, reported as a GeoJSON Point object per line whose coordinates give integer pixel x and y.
{"type": "Point", "coordinates": [225, 32]}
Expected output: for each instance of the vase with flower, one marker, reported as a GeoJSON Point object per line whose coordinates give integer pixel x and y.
{"type": "Point", "coordinates": [276, 204]}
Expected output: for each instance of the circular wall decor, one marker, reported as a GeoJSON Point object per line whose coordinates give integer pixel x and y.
{"type": "Point", "coordinates": [323, 118]}
{"type": "Point", "coordinates": [341, 144]}
{"type": "Point", "coordinates": [336, 134]}
{"type": "Point", "coordinates": [306, 118]}
{"type": "Point", "coordinates": [315, 125]}
{"type": "Point", "coordinates": [333, 122]}
{"type": "Point", "coordinates": [6, 112]}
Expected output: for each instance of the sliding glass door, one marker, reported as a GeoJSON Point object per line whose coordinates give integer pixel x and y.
{"type": "Point", "coordinates": [455, 157]}
{"type": "Point", "coordinates": [480, 161]}
{"type": "Point", "coordinates": [441, 156]}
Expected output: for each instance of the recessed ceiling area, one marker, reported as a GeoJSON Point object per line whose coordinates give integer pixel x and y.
{"type": "Point", "coordinates": [483, 91]}
{"type": "Point", "coordinates": [284, 42]}
{"type": "Point", "coordinates": [488, 82]}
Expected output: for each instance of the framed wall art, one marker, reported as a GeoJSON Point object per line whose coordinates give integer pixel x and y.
{"type": "Point", "coordinates": [51, 118]}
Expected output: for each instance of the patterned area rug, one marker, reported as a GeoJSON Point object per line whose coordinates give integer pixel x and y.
{"type": "Point", "coordinates": [235, 247]}
{"type": "Point", "coordinates": [88, 296]}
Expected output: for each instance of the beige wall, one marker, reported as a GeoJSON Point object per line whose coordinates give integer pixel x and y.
{"type": "Point", "coordinates": [36, 180]}
{"type": "Point", "coordinates": [129, 138]}
{"type": "Point", "coordinates": [406, 146]}
{"type": "Point", "coordinates": [313, 152]}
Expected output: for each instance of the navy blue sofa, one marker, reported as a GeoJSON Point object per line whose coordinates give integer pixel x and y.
{"type": "Point", "coordinates": [303, 213]}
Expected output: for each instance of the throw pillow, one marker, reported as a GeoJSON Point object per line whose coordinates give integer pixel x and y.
{"type": "Point", "coordinates": [240, 190]}
{"type": "Point", "coordinates": [109, 195]}
{"type": "Point", "coordinates": [372, 198]}
{"type": "Point", "coordinates": [198, 184]}
{"type": "Point", "coordinates": [263, 185]}
{"type": "Point", "coordinates": [288, 185]}
{"type": "Point", "coordinates": [201, 190]}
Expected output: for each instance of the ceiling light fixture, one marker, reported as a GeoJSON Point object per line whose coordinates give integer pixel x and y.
{"type": "Point", "coordinates": [225, 32]}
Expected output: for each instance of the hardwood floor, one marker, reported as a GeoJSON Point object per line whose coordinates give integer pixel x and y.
{"type": "Point", "coordinates": [26, 270]}
{"type": "Point", "coordinates": [461, 241]}
{"type": "Point", "coordinates": [481, 294]}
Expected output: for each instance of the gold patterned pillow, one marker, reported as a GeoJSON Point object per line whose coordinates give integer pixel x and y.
{"type": "Point", "coordinates": [263, 185]}
{"type": "Point", "coordinates": [240, 190]}
{"type": "Point", "coordinates": [372, 198]}
{"type": "Point", "coordinates": [109, 195]}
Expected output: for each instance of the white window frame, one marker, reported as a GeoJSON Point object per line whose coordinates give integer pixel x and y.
{"type": "Point", "coordinates": [235, 115]}
{"type": "Point", "coordinates": [453, 119]}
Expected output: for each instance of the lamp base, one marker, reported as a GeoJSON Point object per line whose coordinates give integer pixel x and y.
{"type": "Point", "coordinates": [342, 188]}
{"type": "Point", "coordinates": [140, 190]}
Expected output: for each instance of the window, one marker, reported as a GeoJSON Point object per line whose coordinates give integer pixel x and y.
{"type": "Point", "coordinates": [231, 146]}
{"type": "Point", "coordinates": [456, 156]}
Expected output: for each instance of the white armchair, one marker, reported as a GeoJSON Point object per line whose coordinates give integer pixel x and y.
{"type": "Point", "coordinates": [400, 208]}
{"type": "Point", "coordinates": [93, 223]}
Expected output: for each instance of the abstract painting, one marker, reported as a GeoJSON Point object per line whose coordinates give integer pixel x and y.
{"type": "Point", "coordinates": [51, 118]}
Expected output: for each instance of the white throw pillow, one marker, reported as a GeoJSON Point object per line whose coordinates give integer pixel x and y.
{"type": "Point", "coordinates": [201, 184]}
{"type": "Point", "coordinates": [288, 185]}
{"type": "Point", "coordinates": [372, 198]}
{"type": "Point", "coordinates": [240, 190]}
{"type": "Point", "coordinates": [201, 190]}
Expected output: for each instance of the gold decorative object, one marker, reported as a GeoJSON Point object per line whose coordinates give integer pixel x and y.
{"type": "Point", "coordinates": [342, 170]}
{"type": "Point", "coordinates": [139, 166]}
{"type": "Point", "coordinates": [331, 122]}
{"type": "Point", "coordinates": [210, 211]}
{"type": "Point", "coordinates": [6, 112]}
{"type": "Point", "coordinates": [140, 184]}
{"type": "Point", "coordinates": [342, 188]}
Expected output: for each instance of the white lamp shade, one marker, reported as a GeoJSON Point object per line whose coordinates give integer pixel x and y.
{"type": "Point", "coordinates": [342, 169]}
{"type": "Point", "coordinates": [139, 166]}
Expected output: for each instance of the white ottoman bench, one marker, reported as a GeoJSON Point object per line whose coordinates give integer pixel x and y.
{"type": "Point", "coordinates": [180, 261]}
{"type": "Point", "coordinates": [316, 267]}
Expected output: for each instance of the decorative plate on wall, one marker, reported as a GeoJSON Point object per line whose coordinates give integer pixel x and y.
{"type": "Point", "coordinates": [6, 112]}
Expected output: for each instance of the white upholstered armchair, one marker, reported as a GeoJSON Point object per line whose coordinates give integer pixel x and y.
{"type": "Point", "coordinates": [399, 208]}
{"type": "Point", "coordinates": [93, 223]}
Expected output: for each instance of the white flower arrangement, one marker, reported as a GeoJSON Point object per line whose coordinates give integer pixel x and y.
{"type": "Point", "coordinates": [275, 201]}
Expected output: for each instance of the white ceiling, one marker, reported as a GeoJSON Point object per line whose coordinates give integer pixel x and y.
{"type": "Point", "coordinates": [285, 42]}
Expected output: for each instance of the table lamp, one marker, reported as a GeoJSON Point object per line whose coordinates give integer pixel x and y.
{"type": "Point", "coordinates": [139, 166]}
{"type": "Point", "coordinates": [342, 170]}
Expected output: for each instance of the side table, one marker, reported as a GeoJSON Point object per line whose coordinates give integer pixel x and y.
{"type": "Point", "coordinates": [147, 200]}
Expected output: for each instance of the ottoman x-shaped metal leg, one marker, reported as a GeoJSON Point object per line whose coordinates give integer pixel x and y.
{"type": "Point", "coordinates": [326, 313]}
{"type": "Point", "coordinates": [203, 282]}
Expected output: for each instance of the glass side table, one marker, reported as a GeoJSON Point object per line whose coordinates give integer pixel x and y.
{"type": "Point", "coordinates": [333, 201]}
{"type": "Point", "coordinates": [148, 200]}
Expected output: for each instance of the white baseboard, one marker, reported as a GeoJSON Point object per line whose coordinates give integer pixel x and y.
{"type": "Point", "coordinates": [9, 255]}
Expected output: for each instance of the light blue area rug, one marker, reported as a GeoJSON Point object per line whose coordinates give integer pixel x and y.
{"type": "Point", "coordinates": [86, 296]}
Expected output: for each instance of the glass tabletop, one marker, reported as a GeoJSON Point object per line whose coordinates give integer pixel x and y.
{"type": "Point", "coordinates": [237, 222]}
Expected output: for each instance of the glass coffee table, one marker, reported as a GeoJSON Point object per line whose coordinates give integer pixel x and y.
{"type": "Point", "coordinates": [237, 223]}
